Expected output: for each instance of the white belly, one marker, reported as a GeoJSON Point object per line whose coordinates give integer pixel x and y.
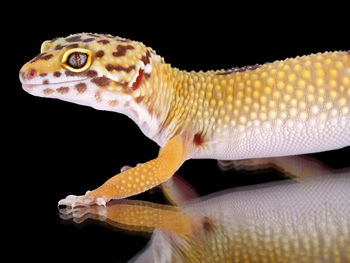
{"type": "Point", "coordinates": [290, 138]}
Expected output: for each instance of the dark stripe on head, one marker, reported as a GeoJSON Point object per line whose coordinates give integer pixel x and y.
{"type": "Point", "coordinates": [146, 59]}
{"type": "Point", "coordinates": [42, 56]}
{"type": "Point", "coordinates": [121, 50]}
{"type": "Point", "coordinates": [111, 67]}
{"type": "Point", "coordinates": [74, 39]}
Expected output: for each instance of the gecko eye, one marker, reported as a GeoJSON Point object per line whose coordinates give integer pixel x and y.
{"type": "Point", "coordinates": [77, 59]}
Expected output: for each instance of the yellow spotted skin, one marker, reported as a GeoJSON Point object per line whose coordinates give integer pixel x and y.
{"type": "Point", "coordinates": [145, 216]}
{"type": "Point", "coordinates": [282, 95]}
{"type": "Point", "coordinates": [289, 107]}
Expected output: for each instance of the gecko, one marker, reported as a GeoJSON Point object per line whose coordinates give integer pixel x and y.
{"type": "Point", "coordinates": [295, 106]}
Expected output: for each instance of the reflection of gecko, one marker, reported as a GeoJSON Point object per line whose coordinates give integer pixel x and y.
{"type": "Point", "coordinates": [289, 107]}
{"type": "Point", "coordinates": [288, 221]}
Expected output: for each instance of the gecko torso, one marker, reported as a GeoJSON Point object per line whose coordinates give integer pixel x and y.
{"type": "Point", "coordinates": [289, 107]}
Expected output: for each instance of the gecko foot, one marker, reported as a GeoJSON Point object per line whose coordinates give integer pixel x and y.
{"type": "Point", "coordinates": [83, 200]}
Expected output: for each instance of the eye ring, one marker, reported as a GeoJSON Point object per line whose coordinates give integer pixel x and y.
{"type": "Point", "coordinates": [77, 59]}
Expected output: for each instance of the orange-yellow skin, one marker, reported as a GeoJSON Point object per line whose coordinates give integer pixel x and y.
{"type": "Point", "coordinates": [288, 107]}
{"type": "Point", "coordinates": [152, 173]}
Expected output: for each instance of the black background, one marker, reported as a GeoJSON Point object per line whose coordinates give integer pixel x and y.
{"type": "Point", "coordinates": [54, 148]}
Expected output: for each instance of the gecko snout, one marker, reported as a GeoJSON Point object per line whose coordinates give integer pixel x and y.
{"type": "Point", "coordinates": [25, 75]}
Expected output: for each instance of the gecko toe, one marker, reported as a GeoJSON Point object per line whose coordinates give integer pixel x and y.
{"type": "Point", "coordinates": [75, 201]}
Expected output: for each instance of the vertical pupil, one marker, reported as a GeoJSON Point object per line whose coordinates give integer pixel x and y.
{"type": "Point", "coordinates": [77, 60]}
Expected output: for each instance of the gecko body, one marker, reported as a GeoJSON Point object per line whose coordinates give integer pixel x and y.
{"type": "Point", "coordinates": [295, 106]}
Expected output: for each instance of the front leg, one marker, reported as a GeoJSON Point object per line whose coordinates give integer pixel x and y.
{"type": "Point", "coordinates": [138, 179]}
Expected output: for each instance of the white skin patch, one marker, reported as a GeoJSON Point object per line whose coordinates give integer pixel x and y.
{"type": "Point", "coordinates": [80, 90]}
{"type": "Point", "coordinates": [75, 90]}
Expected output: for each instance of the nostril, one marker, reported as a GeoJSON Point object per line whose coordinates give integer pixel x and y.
{"type": "Point", "coordinates": [27, 75]}
{"type": "Point", "coordinates": [31, 73]}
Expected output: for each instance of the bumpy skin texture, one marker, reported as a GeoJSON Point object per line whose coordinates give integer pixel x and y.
{"type": "Point", "coordinates": [288, 222]}
{"type": "Point", "coordinates": [288, 107]}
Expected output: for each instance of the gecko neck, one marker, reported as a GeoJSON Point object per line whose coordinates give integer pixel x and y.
{"type": "Point", "coordinates": [194, 101]}
{"type": "Point", "coordinates": [152, 109]}
{"type": "Point", "coordinates": [171, 116]}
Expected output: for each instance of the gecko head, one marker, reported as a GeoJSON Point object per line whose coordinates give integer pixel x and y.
{"type": "Point", "coordinates": [98, 70]}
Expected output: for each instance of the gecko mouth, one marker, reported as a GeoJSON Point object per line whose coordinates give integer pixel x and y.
{"type": "Point", "coordinates": [58, 88]}
{"type": "Point", "coordinates": [30, 86]}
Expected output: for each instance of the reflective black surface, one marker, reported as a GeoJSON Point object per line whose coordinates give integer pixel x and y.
{"type": "Point", "coordinates": [282, 221]}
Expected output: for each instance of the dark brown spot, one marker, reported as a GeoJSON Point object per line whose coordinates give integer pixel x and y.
{"type": "Point", "coordinates": [88, 39]}
{"type": "Point", "coordinates": [73, 39]}
{"type": "Point", "coordinates": [72, 46]}
{"type": "Point", "coordinates": [147, 75]}
{"type": "Point", "coordinates": [91, 73]}
{"type": "Point", "coordinates": [207, 224]}
{"type": "Point", "coordinates": [69, 73]}
{"type": "Point", "coordinates": [59, 47]}
{"type": "Point", "coordinates": [57, 74]}
{"type": "Point", "coordinates": [198, 139]}
{"type": "Point", "coordinates": [103, 41]}
{"type": "Point", "coordinates": [43, 75]}
{"type": "Point", "coordinates": [47, 57]}
{"type": "Point", "coordinates": [111, 67]}
{"type": "Point", "coordinates": [121, 50]}
{"type": "Point", "coordinates": [41, 56]}
{"type": "Point", "coordinates": [146, 59]}
{"type": "Point", "coordinates": [80, 87]}
{"type": "Point", "coordinates": [101, 81]}
{"type": "Point", "coordinates": [48, 91]}
{"type": "Point", "coordinates": [99, 54]}
{"type": "Point", "coordinates": [62, 90]}
{"type": "Point", "coordinates": [238, 69]}
{"type": "Point", "coordinates": [45, 82]}
{"type": "Point", "coordinates": [139, 99]}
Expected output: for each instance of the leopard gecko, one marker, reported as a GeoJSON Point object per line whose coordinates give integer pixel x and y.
{"type": "Point", "coordinates": [290, 107]}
